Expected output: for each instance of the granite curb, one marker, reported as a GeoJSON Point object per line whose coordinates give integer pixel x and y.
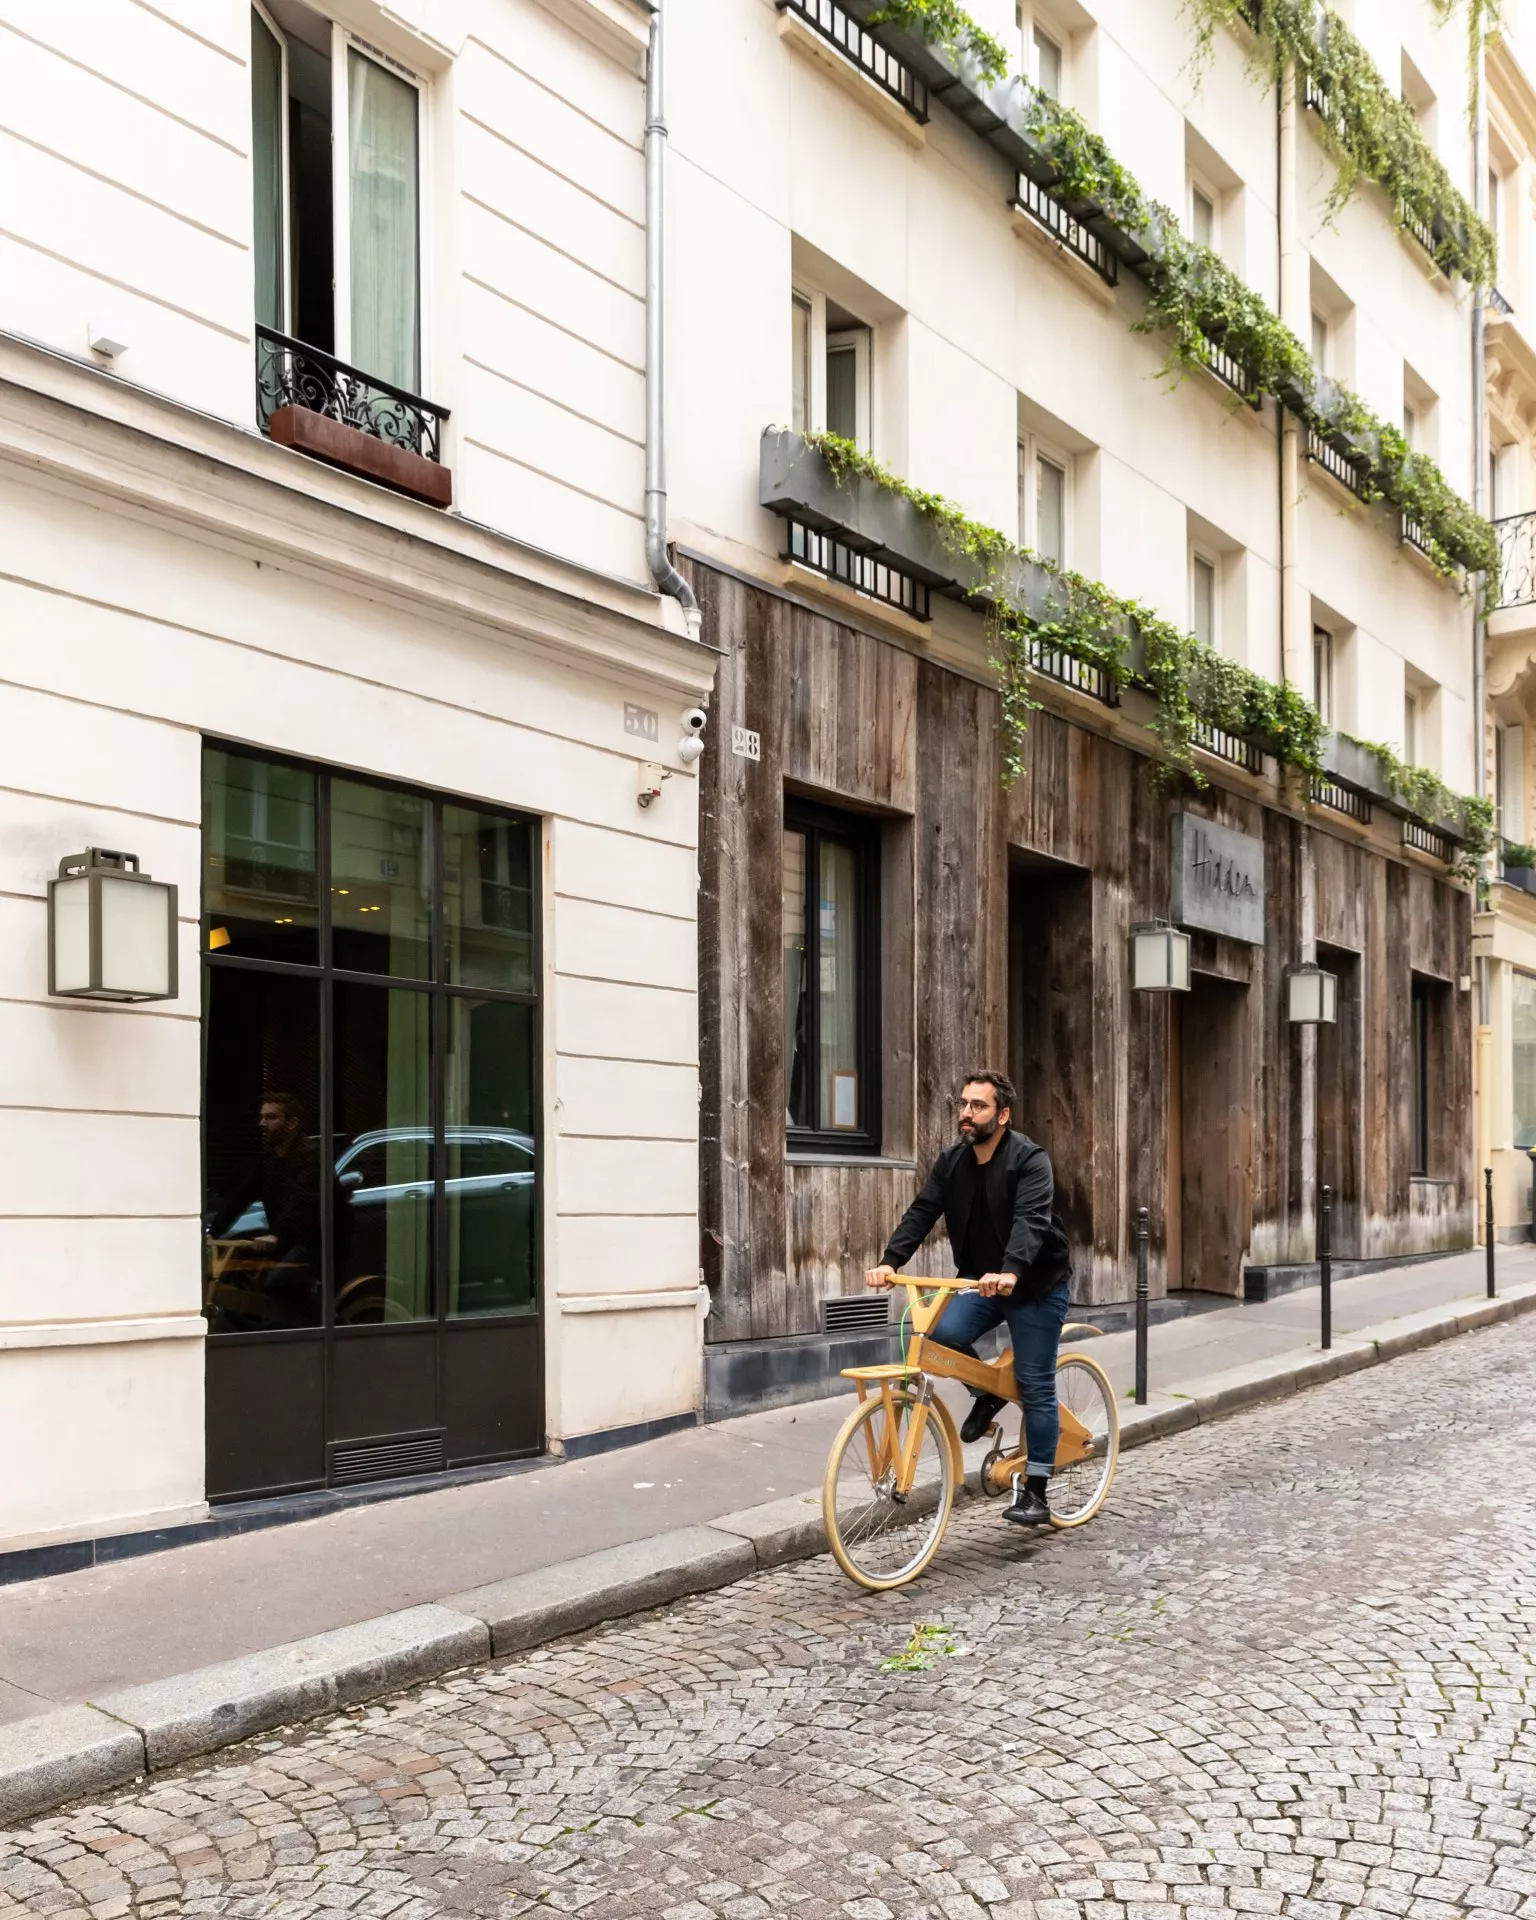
{"type": "Point", "coordinates": [79, 1750]}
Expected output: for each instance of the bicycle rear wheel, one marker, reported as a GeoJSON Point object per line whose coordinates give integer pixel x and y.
{"type": "Point", "coordinates": [881, 1538]}
{"type": "Point", "coordinates": [1090, 1440]}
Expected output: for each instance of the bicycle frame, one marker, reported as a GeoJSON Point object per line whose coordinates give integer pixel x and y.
{"type": "Point", "coordinates": [928, 1360]}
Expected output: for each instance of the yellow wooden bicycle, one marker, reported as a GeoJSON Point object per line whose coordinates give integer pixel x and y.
{"type": "Point", "coordinates": [896, 1463]}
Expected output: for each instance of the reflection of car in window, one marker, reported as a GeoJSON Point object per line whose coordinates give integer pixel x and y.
{"type": "Point", "coordinates": [489, 1189]}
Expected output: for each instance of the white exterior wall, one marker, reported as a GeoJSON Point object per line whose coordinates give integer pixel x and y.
{"type": "Point", "coordinates": [773, 158]}
{"type": "Point", "coordinates": [168, 575]}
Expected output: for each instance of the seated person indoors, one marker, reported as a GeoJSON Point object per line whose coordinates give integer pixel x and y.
{"type": "Point", "coordinates": [283, 1262]}
{"type": "Point", "coordinates": [994, 1189]}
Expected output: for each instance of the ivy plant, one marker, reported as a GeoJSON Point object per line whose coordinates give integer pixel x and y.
{"type": "Point", "coordinates": [1197, 301]}
{"type": "Point", "coordinates": [1191, 684]}
{"type": "Point", "coordinates": [943, 23]}
{"type": "Point", "coordinates": [1373, 133]}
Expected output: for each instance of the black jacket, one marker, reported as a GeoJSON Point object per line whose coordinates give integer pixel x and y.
{"type": "Point", "coordinates": [1036, 1251]}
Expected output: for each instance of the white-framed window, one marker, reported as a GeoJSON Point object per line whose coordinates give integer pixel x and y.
{"type": "Point", "coordinates": [1509, 780]}
{"type": "Point", "coordinates": [338, 151]}
{"type": "Point", "coordinates": [800, 402]}
{"type": "Point", "coordinates": [1204, 215]}
{"type": "Point", "coordinates": [1322, 674]}
{"type": "Point", "coordinates": [1045, 499]}
{"type": "Point", "coordinates": [1204, 596]}
{"type": "Point", "coordinates": [832, 382]}
{"type": "Point", "coordinates": [1047, 61]}
{"type": "Point", "coordinates": [848, 384]}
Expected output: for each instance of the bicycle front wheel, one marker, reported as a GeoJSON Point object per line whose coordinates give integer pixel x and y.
{"type": "Point", "coordinates": [879, 1537]}
{"type": "Point", "coordinates": [1090, 1440]}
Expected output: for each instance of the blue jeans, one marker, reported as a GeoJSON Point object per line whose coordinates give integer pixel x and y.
{"type": "Point", "coordinates": [1035, 1326]}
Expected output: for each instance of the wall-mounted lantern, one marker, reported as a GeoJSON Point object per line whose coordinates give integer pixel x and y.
{"type": "Point", "coordinates": [111, 930]}
{"type": "Point", "coordinates": [1159, 958]}
{"type": "Point", "coordinates": [1312, 997]}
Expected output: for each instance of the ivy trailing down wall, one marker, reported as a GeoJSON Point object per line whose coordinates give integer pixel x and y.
{"type": "Point", "coordinates": [1374, 134]}
{"type": "Point", "coordinates": [1191, 684]}
{"type": "Point", "coordinates": [1196, 298]}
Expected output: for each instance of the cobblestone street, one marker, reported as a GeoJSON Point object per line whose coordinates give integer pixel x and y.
{"type": "Point", "coordinates": [1289, 1670]}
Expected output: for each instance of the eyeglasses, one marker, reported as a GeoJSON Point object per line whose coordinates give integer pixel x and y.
{"type": "Point", "coordinates": [972, 1106]}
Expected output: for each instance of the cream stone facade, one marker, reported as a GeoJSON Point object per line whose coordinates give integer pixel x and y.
{"type": "Point", "coordinates": [173, 578]}
{"type": "Point", "coordinates": [1506, 924]}
{"type": "Point", "coordinates": [323, 457]}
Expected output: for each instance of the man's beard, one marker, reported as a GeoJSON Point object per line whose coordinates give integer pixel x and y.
{"type": "Point", "coordinates": [975, 1132]}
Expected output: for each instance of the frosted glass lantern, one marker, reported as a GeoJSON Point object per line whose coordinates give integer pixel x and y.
{"type": "Point", "coordinates": [1312, 997]}
{"type": "Point", "coordinates": [1159, 959]}
{"type": "Point", "coordinates": [111, 930]}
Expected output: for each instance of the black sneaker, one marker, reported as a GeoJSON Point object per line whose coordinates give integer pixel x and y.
{"type": "Point", "coordinates": [984, 1409]}
{"type": "Point", "coordinates": [1028, 1508]}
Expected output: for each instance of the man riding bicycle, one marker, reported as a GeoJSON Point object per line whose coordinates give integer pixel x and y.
{"type": "Point", "coordinates": [995, 1191]}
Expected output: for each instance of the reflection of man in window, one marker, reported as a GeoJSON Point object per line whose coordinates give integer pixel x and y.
{"type": "Point", "coordinates": [283, 1260]}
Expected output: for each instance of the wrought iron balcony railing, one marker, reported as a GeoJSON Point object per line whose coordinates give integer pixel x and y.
{"type": "Point", "coordinates": [1345, 468]}
{"type": "Point", "coordinates": [1231, 747]}
{"type": "Point", "coordinates": [1414, 536]}
{"type": "Point", "coordinates": [290, 374]}
{"type": "Point", "coordinates": [1345, 800]}
{"type": "Point", "coordinates": [1517, 557]}
{"type": "Point", "coordinates": [1047, 211]}
{"type": "Point", "coordinates": [836, 560]}
{"type": "Point", "coordinates": [1231, 372]}
{"type": "Point", "coordinates": [860, 48]}
{"type": "Point", "coordinates": [1424, 839]}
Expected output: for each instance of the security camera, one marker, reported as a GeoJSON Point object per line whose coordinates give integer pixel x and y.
{"type": "Point", "coordinates": [695, 719]}
{"type": "Point", "coordinates": [690, 749]}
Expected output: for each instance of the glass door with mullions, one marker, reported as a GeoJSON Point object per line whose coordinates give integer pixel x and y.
{"type": "Point", "coordinates": [370, 1129]}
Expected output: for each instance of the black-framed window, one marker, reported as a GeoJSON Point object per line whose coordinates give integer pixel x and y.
{"type": "Point", "coordinates": [1419, 1090]}
{"type": "Point", "coordinates": [370, 1068]}
{"type": "Point", "coordinates": [831, 908]}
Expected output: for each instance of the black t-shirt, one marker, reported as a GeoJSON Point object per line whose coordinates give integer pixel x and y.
{"type": "Point", "coordinates": [980, 1188]}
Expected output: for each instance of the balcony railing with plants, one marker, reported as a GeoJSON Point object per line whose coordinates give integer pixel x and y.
{"type": "Point", "coordinates": [294, 381]}
{"type": "Point", "coordinates": [1213, 321]}
{"type": "Point", "coordinates": [1054, 624]}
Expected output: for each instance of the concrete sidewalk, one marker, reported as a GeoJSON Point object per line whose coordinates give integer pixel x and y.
{"type": "Point", "coordinates": [182, 1651]}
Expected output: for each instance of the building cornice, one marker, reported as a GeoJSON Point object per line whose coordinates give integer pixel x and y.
{"type": "Point", "coordinates": [87, 434]}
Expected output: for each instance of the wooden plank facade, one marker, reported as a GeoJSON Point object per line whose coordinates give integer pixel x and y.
{"type": "Point", "coordinates": [1003, 925]}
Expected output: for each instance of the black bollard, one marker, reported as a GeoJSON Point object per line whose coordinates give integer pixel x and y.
{"type": "Point", "coordinates": [1325, 1264]}
{"type": "Point", "coordinates": [1488, 1229]}
{"type": "Point", "coordinates": [1142, 1218]}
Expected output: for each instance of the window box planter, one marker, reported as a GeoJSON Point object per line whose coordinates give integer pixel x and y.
{"type": "Point", "coordinates": [318, 405]}
{"type": "Point", "coordinates": [1351, 765]}
{"type": "Point", "coordinates": [1522, 877]}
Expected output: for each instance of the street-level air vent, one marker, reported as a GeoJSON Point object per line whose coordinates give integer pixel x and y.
{"type": "Point", "coordinates": [386, 1456]}
{"type": "Point", "coordinates": [855, 1312]}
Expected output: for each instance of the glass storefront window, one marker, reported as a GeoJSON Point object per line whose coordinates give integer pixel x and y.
{"type": "Point", "coordinates": [381, 1052]}
{"type": "Point", "coordinates": [263, 1241]}
{"type": "Point", "coordinates": [370, 1145]}
{"type": "Point", "coordinates": [1523, 1050]}
{"type": "Point", "coordinates": [381, 881]}
{"type": "Point", "coordinates": [260, 890]}
{"type": "Point", "coordinates": [488, 899]}
{"type": "Point", "coordinates": [489, 1188]}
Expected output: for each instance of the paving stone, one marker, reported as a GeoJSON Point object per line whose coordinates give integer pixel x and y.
{"type": "Point", "coordinates": [1269, 1679]}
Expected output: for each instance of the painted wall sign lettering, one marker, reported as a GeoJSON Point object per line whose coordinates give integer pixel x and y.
{"type": "Point", "coordinates": [1218, 879]}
